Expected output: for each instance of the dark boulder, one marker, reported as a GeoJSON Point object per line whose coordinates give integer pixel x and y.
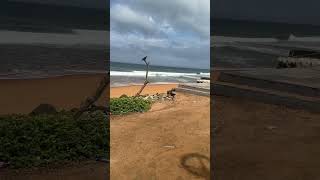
{"type": "Point", "coordinates": [123, 96]}
{"type": "Point", "coordinates": [44, 109]}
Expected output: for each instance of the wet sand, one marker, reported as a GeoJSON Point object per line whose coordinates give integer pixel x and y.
{"type": "Point", "coordinates": [133, 89]}
{"type": "Point", "coordinates": [64, 92]}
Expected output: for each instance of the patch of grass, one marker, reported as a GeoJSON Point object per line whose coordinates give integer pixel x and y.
{"type": "Point", "coordinates": [124, 105]}
{"type": "Point", "coordinates": [42, 140]}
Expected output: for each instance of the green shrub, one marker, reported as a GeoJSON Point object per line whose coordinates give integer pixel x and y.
{"type": "Point", "coordinates": [124, 105]}
{"type": "Point", "coordinates": [41, 140]}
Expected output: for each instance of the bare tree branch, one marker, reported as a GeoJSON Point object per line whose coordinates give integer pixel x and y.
{"type": "Point", "coordinates": [146, 81]}
{"type": "Point", "coordinates": [89, 102]}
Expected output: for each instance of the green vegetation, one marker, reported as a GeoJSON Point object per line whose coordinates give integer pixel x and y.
{"type": "Point", "coordinates": [124, 105]}
{"type": "Point", "coordinates": [42, 140]}
{"type": "Point", "coordinates": [52, 139]}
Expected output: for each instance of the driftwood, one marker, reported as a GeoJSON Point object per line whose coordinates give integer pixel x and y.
{"type": "Point", "coordinates": [88, 104]}
{"type": "Point", "coordinates": [146, 81]}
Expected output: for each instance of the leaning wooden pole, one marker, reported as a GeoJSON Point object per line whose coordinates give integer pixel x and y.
{"type": "Point", "coordinates": [89, 102]}
{"type": "Point", "coordinates": [146, 81]}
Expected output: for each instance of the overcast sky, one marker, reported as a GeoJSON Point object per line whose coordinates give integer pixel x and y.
{"type": "Point", "coordinates": [289, 11]}
{"type": "Point", "coordinates": [169, 32]}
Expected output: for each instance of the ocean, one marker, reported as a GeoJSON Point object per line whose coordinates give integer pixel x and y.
{"type": "Point", "coordinates": [234, 44]}
{"type": "Point", "coordinates": [125, 73]}
{"type": "Point", "coordinates": [249, 44]}
{"type": "Point", "coordinates": [29, 61]}
{"type": "Point", "coordinates": [53, 40]}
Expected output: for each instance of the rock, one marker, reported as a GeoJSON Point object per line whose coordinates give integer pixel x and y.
{"type": "Point", "coordinates": [123, 96]}
{"type": "Point", "coordinates": [3, 164]}
{"type": "Point", "coordinates": [44, 109]}
{"type": "Point", "coordinates": [74, 110]}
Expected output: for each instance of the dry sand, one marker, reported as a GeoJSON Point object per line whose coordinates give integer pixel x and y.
{"type": "Point", "coordinates": [65, 92]}
{"type": "Point", "coordinates": [149, 89]}
{"type": "Point", "coordinates": [261, 141]}
{"type": "Point", "coordinates": [171, 141]}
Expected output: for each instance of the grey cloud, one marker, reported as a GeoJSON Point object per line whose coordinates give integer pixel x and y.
{"type": "Point", "coordinates": [171, 33]}
{"type": "Point", "coordinates": [182, 15]}
{"type": "Point", "coordinates": [192, 56]}
{"type": "Point", "coordinates": [125, 20]}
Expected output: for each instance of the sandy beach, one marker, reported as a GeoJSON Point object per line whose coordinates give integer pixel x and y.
{"type": "Point", "coordinates": [171, 141]}
{"type": "Point", "coordinates": [133, 89]}
{"type": "Point", "coordinates": [64, 92]}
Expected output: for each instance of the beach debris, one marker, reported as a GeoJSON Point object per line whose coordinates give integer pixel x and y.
{"type": "Point", "coordinates": [146, 81]}
{"type": "Point", "coordinates": [44, 109]}
{"type": "Point", "coordinates": [171, 93]}
{"type": "Point", "coordinates": [299, 59]}
{"type": "Point", "coordinates": [159, 97]}
{"type": "Point", "coordinates": [169, 146]}
{"type": "Point", "coordinates": [297, 62]}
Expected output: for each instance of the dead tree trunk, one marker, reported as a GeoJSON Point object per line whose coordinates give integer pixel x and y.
{"type": "Point", "coordinates": [89, 102]}
{"type": "Point", "coordinates": [146, 81]}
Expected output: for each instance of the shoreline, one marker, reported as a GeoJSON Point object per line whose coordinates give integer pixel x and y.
{"type": "Point", "coordinates": [140, 84]}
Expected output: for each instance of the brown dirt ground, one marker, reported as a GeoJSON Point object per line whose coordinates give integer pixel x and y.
{"type": "Point", "coordinates": [260, 141]}
{"type": "Point", "coordinates": [171, 141]}
{"type": "Point", "coordinates": [90, 170]}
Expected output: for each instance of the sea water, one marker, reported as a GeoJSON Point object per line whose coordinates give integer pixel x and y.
{"type": "Point", "coordinates": [125, 73]}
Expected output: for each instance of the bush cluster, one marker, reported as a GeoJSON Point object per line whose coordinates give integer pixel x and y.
{"type": "Point", "coordinates": [124, 105]}
{"type": "Point", "coordinates": [42, 140]}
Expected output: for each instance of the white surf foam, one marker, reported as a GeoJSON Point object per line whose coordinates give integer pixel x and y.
{"type": "Point", "coordinates": [156, 74]}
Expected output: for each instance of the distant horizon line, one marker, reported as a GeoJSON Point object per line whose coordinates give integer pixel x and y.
{"type": "Point", "coordinates": [162, 65]}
